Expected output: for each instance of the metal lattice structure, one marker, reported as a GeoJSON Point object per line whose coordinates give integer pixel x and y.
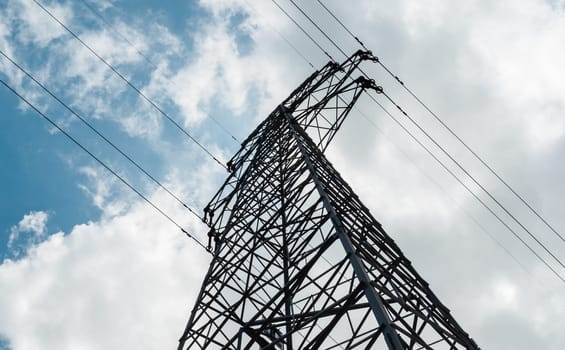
{"type": "Point", "coordinates": [299, 262]}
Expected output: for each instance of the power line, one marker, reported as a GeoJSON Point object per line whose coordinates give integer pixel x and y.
{"type": "Point", "coordinates": [163, 113]}
{"type": "Point", "coordinates": [437, 159]}
{"type": "Point", "coordinates": [294, 48]}
{"type": "Point", "coordinates": [302, 29]}
{"type": "Point", "coordinates": [107, 167]}
{"type": "Point", "coordinates": [451, 131]}
{"type": "Point", "coordinates": [440, 187]}
{"type": "Point", "coordinates": [318, 27]}
{"type": "Point", "coordinates": [146, 58]}
{"type": "Point", "coordinates": [468, 189]}
{"type": "Point", "coordinates": [475, 221]}
{"type": "Point", "coordinates": [92, 128]}
{"type": "Point", "coordinates": [343, 25]}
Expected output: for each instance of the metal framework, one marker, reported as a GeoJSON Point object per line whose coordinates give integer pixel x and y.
{"type": "Point", "coordinates": [299, 262]}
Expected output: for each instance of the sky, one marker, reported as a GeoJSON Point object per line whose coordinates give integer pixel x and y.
{"type": "Point", "coordinates": [87, 264]}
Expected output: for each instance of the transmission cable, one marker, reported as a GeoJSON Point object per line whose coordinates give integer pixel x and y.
{"type": "Point", "coordinates": [146, 58]}
{"type": "Point", "coordinates": [443, 165]}
{"type": "Point", "coordinates": [343, 25]}
{"type": "Point", "coordinates": [450, 130]}
{"type": "Point", "coordinates": [102, 163]}
{"type": "Point", "coordinates": [440, 187]}
{"type": "Point", "coordinates": [317, 27]}
{"type": "Point", "coordinates": [290, 44]}
{"type": "Point", "coordinates": [109, 142]}
{"type": "Point", "coordinates": [302, 29]}
{"type": "Point", "coordinates": [147, 99]}
{"type": "Point", "coordinates": [472, 193]}
{"type": "Point", "coordinates": [163, 113]}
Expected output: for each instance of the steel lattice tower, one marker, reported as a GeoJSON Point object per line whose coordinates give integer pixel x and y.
{"type": "Point", "coordinates": [299, 262]}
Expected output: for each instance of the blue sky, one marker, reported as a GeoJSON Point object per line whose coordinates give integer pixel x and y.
{"type": "Point", "coordinates": [84, 244]}
{"type": "Point", "coordinates": [38, 172]}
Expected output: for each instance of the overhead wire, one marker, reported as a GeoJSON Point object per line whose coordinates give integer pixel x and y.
{"type": "Point", "coordinates": [149, 61]}
{"type": "Point", "coordinates": [134, 163]}
{"type": "Point", "coordinates": [130, 84]}
{"type": "Point", "coordinates": [437, 159]}
{"type": "Point", "coordinates": [446, 193]}
{"type": "Point", "coordinates": [302, 29]}
{"type": "Point", "coordinates": [102, 163]}
{"type": "Point", "coordinates": [343, 25]}
{"type": "Point", "coordinates": [451, 131]}
{"type": "Point", "coordinates": [468, 189]}
{"type": "Point", "coordinates": [475, 181]}
{"type": "Point", "coordinates": [318, 27]}
{"type": "Point", "coordinates": [72, 139]}
{"type": "Point", "coordinates": [284, 38]}
{"type": "Point", "coordinates": [95, 130]}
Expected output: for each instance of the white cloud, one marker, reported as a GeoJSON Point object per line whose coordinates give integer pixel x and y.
{"type": "Point", "coordinates": [35, 222]}
{"type": "Point", "coordinates": [110, 284]}
{"type": "Point", "coordinates": [33, 26]}
{"type": "Point", "coordinates": [217, 73]}
{"type": "Point", "coordinates": [520, 47]}
{"type": "Point", "coordinates": [503, 295]}
{"type": "Point", "coordinates": [128, 278]}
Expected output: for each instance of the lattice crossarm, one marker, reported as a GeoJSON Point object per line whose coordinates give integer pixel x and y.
{"type": "Point", "coordinates": [323, 119]}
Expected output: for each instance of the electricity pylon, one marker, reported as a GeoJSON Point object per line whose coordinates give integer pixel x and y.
{"type": "Point", "coordinates": [299, 262]}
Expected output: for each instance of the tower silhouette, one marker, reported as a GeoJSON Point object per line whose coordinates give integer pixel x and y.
{"type": "Point", "coordinates": [299, 262]}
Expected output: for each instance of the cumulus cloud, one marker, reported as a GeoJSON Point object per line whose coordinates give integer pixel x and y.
{"type": "Point", "coordinates": [35, 223]}
{"type": "Point", "coordinates": [108, 284]}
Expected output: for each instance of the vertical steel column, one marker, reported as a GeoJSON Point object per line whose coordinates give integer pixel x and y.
{"type": "Point", "coordinates": [391, 337]}
{"type": "Point", "coordinates": [288, 296]}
